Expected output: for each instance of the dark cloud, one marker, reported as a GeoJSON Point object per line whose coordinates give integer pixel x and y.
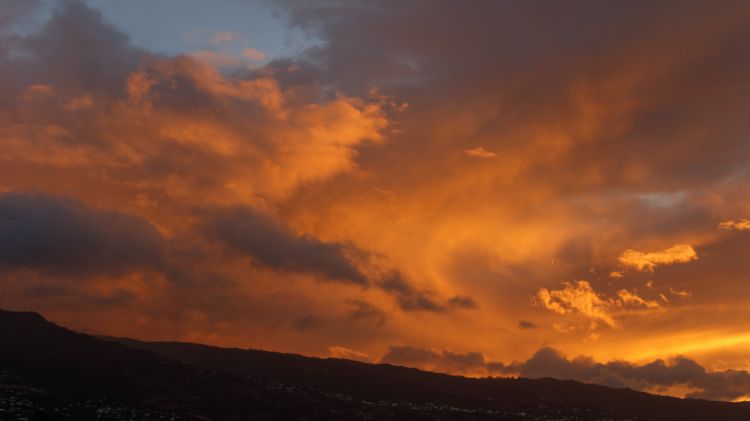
{"type": "Point", "coordinates": [655, 376]}
{"type": "Point", "coordinates": [536, 64]}
{"type": "Point", "coordinates": [523, 324]}
{"type": "Point", "coordinates": [11, 11]}
{"type": "Point", "coordinates": [64, 236]}
{"type": "Point", "coordinates": [430, 359]}
{"type": "Point", "coordinates": [613, 126]}
{"type": "Point", "coordinates": [76, 51]}
{"type": "Point", "coordinates": [308, 322]}
{"type": "Point", "coordinates": [52, 292]}
{"type": "Point", "coordinates": [462, 301]}
{"type": "Point", "coordinates": [85, 114]}
{"type": "Point", "coordinates": [363, 311]}
{"type": "Point", "coordinates": [260, 236]}
{"type": "Point", "coordinates": [410, 298]}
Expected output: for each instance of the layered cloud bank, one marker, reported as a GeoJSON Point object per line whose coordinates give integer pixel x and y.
{"type": "Point", "coordinates": [678, 376]}
{"type": "Point", "coordinates": [489, 179]}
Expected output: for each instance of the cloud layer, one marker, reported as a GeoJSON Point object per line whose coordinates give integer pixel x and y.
{"type": "Point", "coordinates": [677, 375]}
{"type": "Point", "coordinates": [659, 376]}
{"type": "Point", "coordinates": [258, 235]}
{"type": "Point", "coordinates": [438, 176]}
{"type": "Point", "coordinates": [61, 235]}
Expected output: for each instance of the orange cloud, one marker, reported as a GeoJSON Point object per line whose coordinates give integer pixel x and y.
{"type": "Point", "coordinates": [577, 297]}
{"type": "Point", "coordinates": [440, 218]}
{"type": "Point", "coordinates": [37, 91]}
{"type": "Point", "coordinates": [348, 354]}
{"type": "Point", "coordinates": [80, 103]}
{"type": "Point", "coordinates": [480, 152]}
{"type": "Point", "coordinates": [739, 225]}
{"type": "Point", "coordinates": [631, 298]}
{"type": "Point", "coordinates": [680, 253]}
{"type": "Point", "coordinates": [681, 294]}
{"type": "Point", "coordinates": [580, 298]}
{"type": "Point", "coordinates": [253, 54]}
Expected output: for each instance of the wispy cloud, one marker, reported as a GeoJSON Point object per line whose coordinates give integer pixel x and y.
{"type": "Point", "coordinates": [480, 152]}
{"type": "Point", "coordinates": [739, 225]}
{"type": "Point", "coordinates": [225, 37]}
{"type": "Point", "coordinates": [253, 54]}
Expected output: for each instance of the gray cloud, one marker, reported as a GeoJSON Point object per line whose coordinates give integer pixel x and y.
{"type": "Point", "coordinates": [410, 298]}
{"type": "Point", "coordinates": [656, 376]}
{"type": "Point", "coordinates": [462, 301]}
{"type": "Point", "coordinates": [11, 11]}
{"type": "Point", "coordinates": [76, 51]}
{"type": "Point", "coordinates": [653, 376]}
{"type": "Point", "coordinates": [363, 311]}
{"type": "Point", "coordinates": [64, 236]}
{"type": "Point", "coordinates": [531, 74]}
{"type": "Point", "coordinates": [523, 324]}
{"type": "Point", "coordinates": [258, 235]}
{"type": "Point", "coordinates": [634, 110]}
{"type": "Point", "coordinates": [307, 322]}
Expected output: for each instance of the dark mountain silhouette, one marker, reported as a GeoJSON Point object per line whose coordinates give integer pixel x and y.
{"type": "Point", "coordinates": [159, 380]}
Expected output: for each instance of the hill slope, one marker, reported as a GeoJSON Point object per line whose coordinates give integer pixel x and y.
{"type": "Point", "coordinates": [201, 382]}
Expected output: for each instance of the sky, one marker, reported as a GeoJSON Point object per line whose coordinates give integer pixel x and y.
{"type": "Point", "coordinates": [485, 188]}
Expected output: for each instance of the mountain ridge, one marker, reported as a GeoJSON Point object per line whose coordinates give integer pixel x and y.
{"type": "Point", "coordinates": [201, 381]}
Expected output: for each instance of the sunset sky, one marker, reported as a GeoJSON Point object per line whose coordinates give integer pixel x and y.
{"type": "Point", "coordinates": [476, 187]}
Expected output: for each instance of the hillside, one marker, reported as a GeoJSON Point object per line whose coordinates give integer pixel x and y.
{"type": "Point", "coordinates": [57, 372]}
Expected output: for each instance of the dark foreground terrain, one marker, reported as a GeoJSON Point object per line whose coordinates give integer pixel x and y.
{"type": "Point", "coordinates": [51, 373]}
